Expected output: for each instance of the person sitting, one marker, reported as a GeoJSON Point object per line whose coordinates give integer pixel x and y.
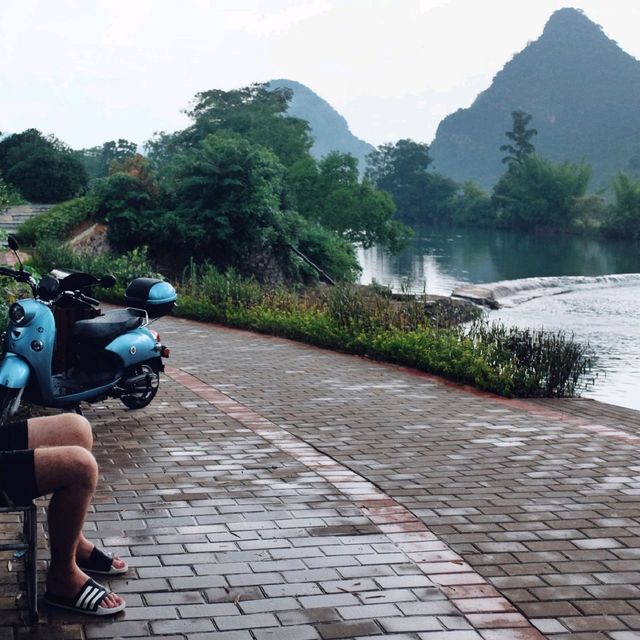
{"type": "Point", "coordinates": [52, 454]}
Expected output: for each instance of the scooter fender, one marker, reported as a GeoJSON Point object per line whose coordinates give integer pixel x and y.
{"type": "Point", "coordinates": [14, 372]}
{"type": "Point", "coordinates": [134, 346]}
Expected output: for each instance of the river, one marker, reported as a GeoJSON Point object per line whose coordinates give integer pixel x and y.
{"type": "Point", "coordinates": [582, 286]}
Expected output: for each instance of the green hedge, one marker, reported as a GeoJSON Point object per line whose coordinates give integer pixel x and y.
{"type": "Point", "coordinates": [56, 223]}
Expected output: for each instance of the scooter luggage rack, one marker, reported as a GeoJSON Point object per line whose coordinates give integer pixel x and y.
{"type": "Point", "coordinates": [144, 314]}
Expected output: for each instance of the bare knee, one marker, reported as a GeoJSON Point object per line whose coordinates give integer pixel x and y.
{"type": "Point", "coordinates": [85, 467]}
{"type": "Point", "coordinates": [80, 429]}
{"type": "Point", "coordinates": [65, 467]}
{"type": "Point", "coordinates": [65, 429]}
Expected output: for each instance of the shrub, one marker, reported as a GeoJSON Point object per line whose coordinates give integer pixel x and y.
{"type": "Point", "coordinates": [49, 254]}
{"type": "Point", "coordinates": [540, 363]}
{"type": "Point", "coordinates": [56, 223]}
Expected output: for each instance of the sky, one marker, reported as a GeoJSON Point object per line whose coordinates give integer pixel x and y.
{"type": "Point", "coordinates": [89, 71]}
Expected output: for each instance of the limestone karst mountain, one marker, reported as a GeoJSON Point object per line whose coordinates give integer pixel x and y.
{"type": "Point", "coordinates": [329, 129]}
{"type": "Point", "coordinates": [583, 92]}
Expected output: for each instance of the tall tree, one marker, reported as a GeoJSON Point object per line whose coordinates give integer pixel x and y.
{"type": "Point", "coordinates": [538, 193]}
{"type": "Point", "coordinates": [257, 113]}
{"type": "Point", "coordinates": [331, 194]}
{"type": "Point", "coordinates": [521, 145]}
{"type": "Point", "coordinates": [401, 169]}
{"type": "Point", "coordinates": [625, 210]}
{"type": "Point", "coordinates": [41, 167]}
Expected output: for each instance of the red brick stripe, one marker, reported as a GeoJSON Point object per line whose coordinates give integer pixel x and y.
{"type": "Point", "coordinates": [478, 601]}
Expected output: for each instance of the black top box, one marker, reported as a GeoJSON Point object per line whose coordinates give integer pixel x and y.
{"type": "Point", "coordinates": [156, 297]}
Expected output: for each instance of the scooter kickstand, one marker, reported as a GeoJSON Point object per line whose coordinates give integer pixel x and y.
{"type": "Point", "coordinates": [78, 409]}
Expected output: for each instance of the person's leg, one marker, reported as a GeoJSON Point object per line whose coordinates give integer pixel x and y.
{"type": "Point", "coordinates": [70, 473]}
{"type": "Point", "coordinates": [66, 429]}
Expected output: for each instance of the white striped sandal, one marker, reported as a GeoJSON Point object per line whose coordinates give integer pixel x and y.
{"type": "Point", "coordinates": [86, 601]}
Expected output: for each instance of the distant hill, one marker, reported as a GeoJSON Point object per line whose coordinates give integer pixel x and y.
{"type": "Point", "coordinates": [329, 129]}
{"type": "Point", "coordinates": [583, 92]}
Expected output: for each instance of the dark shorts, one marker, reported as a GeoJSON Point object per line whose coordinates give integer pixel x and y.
{"type": "Point", "coordinates": [17, 468]}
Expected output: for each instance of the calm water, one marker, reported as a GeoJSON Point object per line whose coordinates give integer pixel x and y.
{"type": "Point", "coordinates": [546, 281]}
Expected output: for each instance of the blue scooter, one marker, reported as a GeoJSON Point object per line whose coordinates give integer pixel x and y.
{"type": "Point", "coordinates": [104, 355]}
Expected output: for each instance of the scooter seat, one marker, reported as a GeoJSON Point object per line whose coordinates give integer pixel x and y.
{"type": "Point", "coordinates": [104, 329]}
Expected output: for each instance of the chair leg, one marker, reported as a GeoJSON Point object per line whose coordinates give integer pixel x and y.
{"type": "Point", "coordinates": [30, 528]}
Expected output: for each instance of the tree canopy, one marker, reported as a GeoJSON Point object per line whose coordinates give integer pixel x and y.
{"type": "Point", "coordinates": [538, 193]}
{"type": "Point", "coordinates": [401, 169]}
{"type": "Point", "coordinates": [257, 113]}
{"type": "Point", "coordinates": [41, 168]}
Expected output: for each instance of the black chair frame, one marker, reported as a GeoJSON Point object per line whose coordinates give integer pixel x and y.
{"type": "Point", "coordinates": [28, 546]}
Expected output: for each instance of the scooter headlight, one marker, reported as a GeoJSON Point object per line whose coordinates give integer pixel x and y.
{"type": "Point", "coordinates": [17, 313]}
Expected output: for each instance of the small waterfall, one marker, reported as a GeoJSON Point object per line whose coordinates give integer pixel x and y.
{"type": "Point", "coordinates": [508, 293]}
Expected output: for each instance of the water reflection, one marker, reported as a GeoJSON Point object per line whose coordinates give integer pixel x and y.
{"type": "Point", "coordinates": [439, 260]}
{"type": "Point", "coordinates": [606, 317]}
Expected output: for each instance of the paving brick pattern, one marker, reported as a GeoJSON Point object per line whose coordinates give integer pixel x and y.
{"type": "Point", "coordinates": [274, 490]}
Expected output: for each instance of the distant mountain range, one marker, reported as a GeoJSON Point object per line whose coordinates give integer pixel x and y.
{"type": "Point", "coordinates": [328, 128]}
{"type": "Point", "coordinates": [583, 92]}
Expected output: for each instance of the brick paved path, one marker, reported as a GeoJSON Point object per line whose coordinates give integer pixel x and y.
{"type": "Point", "coordinates": [275, 490]}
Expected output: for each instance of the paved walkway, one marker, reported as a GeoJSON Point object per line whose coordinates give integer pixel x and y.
{"type": "Point", "coordinates": [275, 490]}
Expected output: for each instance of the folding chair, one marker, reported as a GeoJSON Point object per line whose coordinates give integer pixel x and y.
{"type": "Point", "coordinates": [28, 546]}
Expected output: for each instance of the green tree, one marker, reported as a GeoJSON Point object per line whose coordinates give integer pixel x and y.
{"type": "Point", "coordinates": [222, 203]}
{"type": "Point", "coordinates": [330, 193]}
{"type": "Point", "coordinates": [5, 195]}
{"type": "Point", "coordinates": [521, 145]}
{"type": "Point", "coordinates": [473, 206]}
{"type": "Point", "coordinates": [116, 152]}
{"type": "Point", "coordinates": [536, 193]}
{"type": "Point", "coordinates": [257, 113]}
{"type": "Point", "coordinates": [41, 167]}
{"type": "Point", "coordinates": [401, 169]}
{"type": "Point", "coordinates": [123, 202]}
{"type": "Point", "coordinates": [98, 160]}
{"type": "Point", "coordinates": [625, 211]}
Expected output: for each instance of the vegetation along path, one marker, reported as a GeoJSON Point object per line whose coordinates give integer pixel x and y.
{"type": "Point", "coordinates": [276, 490]}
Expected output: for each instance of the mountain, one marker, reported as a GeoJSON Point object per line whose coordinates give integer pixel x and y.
{"type": "Point", "coordinates": [583, 92]}
{"type": "Point", "coordinates": [328, 128]}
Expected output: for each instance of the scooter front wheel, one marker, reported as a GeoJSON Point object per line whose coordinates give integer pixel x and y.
{"type": "Point", "coordinates": [144, 389]}
{"type": "Point", "coordinates": [9, 403]}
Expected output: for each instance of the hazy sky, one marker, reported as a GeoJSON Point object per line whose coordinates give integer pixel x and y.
{"type": "Point", "coordinates": [96, 70]}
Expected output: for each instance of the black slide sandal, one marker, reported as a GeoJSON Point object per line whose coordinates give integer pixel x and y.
{"type": "Point", "coordinates": [101, 562]}
{"type": "Point", "coordinates": [87, 600]}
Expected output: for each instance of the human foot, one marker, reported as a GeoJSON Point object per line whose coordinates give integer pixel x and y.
{"type": "Point", "coordinates": [90, 558]}
{"type": "Point", "coordinates": [92, 598]}
{"type": "Point", "coordinates": [78, 592]}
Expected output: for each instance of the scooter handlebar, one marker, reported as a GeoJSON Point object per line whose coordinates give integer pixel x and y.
{"type": "Point", "coordinates": [19, 275]}
{"type": "Point", "coordinates": [11, 273]}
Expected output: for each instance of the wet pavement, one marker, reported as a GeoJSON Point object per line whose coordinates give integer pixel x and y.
{"type": "Point", "coordinates": [276, 490]}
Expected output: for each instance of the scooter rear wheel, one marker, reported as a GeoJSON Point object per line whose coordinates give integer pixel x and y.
{"type": "Point", "coordinates": [142, 397]}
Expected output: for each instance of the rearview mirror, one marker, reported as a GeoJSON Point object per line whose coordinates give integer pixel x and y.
{"type": "Point", "coordinates": [13, 243]}
{"type": "Point", "coordinates": [106, 282]}
{"type": "Point", "coordinates": [48, 288]}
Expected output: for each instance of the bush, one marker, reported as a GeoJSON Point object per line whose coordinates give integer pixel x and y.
{"type": "Point", "coordinates": [56, 223]}
{"type": "Point", "coordinates": [360, 320]}
{"type": "Point", "coordinates": [540, 363]}
{"type": "Point", "coordinates": [49, 254]}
